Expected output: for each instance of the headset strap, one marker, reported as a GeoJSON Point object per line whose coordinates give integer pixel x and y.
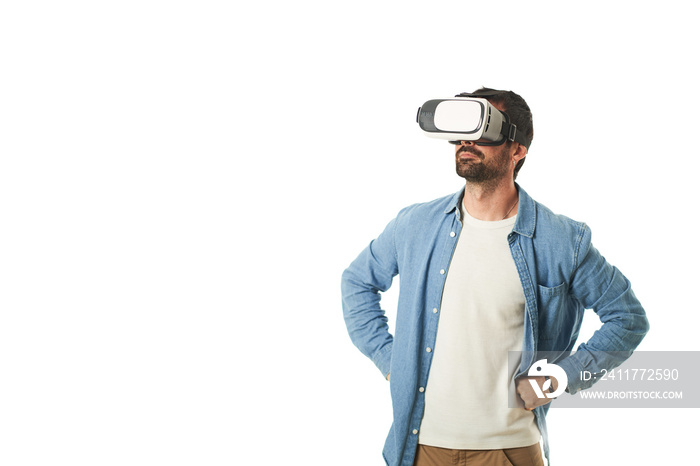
{"type": "Point", "coordinates": [510, 131]}
{"type": "Point", "coordinates": [482, 94]}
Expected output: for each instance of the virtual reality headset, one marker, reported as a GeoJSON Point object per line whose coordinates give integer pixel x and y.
{"type": "Point", "coordinates": [467, 119]}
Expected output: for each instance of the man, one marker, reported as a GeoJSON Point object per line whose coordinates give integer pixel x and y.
{"type": "Point", "coordinates": [483, 272]}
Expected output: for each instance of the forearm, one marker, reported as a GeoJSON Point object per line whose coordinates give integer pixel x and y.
{"type": "Point", "coordinates": [371, 273]}
{"type": "Point", "coordinates": [366, 321]}
{"type": "Point", "coordinates": [601, 287]}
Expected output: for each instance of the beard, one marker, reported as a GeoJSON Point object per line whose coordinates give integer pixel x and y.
{"type": "Point", "coordinates": [475, 170]}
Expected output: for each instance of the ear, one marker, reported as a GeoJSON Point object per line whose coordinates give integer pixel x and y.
{"type": "Point", "coordinates": [520, 153]}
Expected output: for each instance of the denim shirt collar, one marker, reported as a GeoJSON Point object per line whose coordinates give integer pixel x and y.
{"type": "Point", "coordinates": [527, 211]}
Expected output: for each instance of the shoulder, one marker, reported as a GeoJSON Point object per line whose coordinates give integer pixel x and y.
{"type": "Point", "coordinates": [537, 221]}
{"type": "Point", "coordinates": [428, 212]}
{"type": "Point", "coordinates": [561, 232]}
{"type": "Point", "coordinates": [549, 221]}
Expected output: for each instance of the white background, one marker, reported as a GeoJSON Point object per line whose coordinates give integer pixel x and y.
{"type": "Point", "coordinates": [182, 184]}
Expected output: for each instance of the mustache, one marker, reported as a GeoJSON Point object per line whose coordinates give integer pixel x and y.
{"type": "Point", "coordinates": [472, 150]}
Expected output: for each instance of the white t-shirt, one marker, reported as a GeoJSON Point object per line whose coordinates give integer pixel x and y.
{"type": "Point", "coordinates": [482, 315]}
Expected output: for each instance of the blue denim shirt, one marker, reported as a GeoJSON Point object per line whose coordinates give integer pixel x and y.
{"type": "Point", "coordinates": [561, 273]}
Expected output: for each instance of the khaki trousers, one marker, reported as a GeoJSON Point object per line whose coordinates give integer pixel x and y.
{"type": "Point", "coordinates": [435, 456]}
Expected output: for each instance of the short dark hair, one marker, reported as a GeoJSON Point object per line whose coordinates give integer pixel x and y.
{"type": "Point", "coordinates": [517, 110]}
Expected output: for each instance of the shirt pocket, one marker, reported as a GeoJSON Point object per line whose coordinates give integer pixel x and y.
{"type": "Point", "coordinates": [549, 306]}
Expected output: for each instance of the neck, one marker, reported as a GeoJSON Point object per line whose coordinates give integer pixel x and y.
{"type": "Point", "coordinates": [491, 202]}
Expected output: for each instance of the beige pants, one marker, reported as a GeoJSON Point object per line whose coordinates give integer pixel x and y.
{"type": "Point", "coordinates": [434, 456]}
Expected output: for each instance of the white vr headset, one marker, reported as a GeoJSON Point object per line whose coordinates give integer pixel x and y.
{"type": "Point", "coordinates": [467, 119]}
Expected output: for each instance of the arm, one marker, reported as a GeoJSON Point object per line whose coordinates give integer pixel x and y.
{"type": "Point", "coordinates": [372, 272]}
{"type": "Point", "coordinates": [599, 286]}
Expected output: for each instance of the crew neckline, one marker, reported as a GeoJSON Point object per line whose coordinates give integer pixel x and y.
{"type": "Point", "coordinates": [487, 224]}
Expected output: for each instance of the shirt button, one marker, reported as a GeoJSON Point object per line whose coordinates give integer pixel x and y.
{"type": "Point", "coordinates": [452, 234]}
{"type": "Point", "coordinates": [415, 431]}
{"type": "Point", "coordinates": [421, 389]}
{"type": "Point", "coordinates": [434, 310]}
{"type": "Point", "coordinates": [442, 271]}
{"type": "Point", "coordinates": [428, 349]}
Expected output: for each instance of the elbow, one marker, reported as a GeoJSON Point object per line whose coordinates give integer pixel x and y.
{"type": "Point", "coordinates": [643, 326]}
{"type": "Point", "coordinates": [635, 326]}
